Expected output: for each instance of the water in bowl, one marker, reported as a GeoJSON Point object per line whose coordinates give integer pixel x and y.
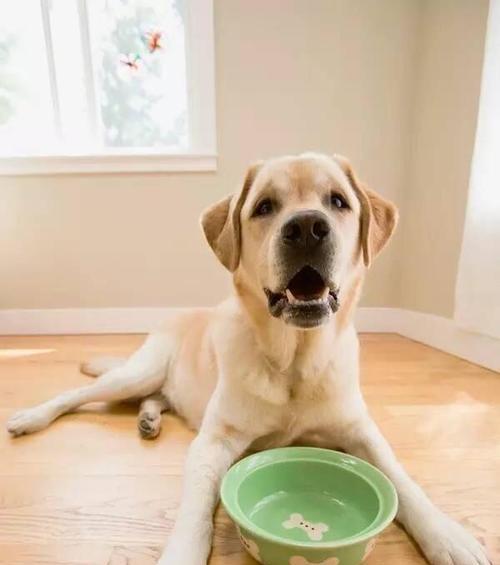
{"type": "Point", "coordinates": [308, 501]}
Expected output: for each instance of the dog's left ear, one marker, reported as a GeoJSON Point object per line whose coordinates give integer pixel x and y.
{"type": "Point", "coordinates": [379, 217]}
{"type": "Point", "coordinates": [222, 225]}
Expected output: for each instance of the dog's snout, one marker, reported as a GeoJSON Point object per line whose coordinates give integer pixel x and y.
{"type": "Point", "coordinates": [305, 229]}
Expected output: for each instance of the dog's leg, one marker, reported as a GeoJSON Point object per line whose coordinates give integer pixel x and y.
{"type": "Point", "coordinates": [100, 365]}
{"type": "Point", "coordinates": [210, 455]}
{"type": "Point", "coordinates": [149, 422]}
{"type": "Point", "coordinates": [142, 375]}
{"type": "Point", "coordinates": [443, 541]}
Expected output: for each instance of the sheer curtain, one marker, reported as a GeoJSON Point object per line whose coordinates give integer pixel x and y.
{"type": "Point", "coordinates": [477, 300]}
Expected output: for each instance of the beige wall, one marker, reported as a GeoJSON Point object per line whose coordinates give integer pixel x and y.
{"type": "Point", "coordinates": [448, 77]}
{"type": "Point", "coordinates": [292, 75]}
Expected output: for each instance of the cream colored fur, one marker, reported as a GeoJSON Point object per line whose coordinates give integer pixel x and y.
{"type": "Point", "coordinates": [247, 380]}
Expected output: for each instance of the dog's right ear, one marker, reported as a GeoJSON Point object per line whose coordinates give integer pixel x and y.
{"type": "Point", "coordinates": [379, 217]}
{"type": "Point", "coordinates": [222, 225]}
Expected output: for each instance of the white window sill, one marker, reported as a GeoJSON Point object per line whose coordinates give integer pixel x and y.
{"type": "Point", "coordinates": [107, 163]}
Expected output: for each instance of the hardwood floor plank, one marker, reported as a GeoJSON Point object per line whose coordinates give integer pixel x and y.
{"type": "Point", "coordinates": [90, 491]}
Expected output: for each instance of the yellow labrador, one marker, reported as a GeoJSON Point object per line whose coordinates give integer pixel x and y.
{"type": "Point", "coordinates": [278, 361]}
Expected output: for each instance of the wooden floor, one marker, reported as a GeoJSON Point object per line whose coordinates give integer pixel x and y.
{"type": "Point", "coordinates": [89, 491]}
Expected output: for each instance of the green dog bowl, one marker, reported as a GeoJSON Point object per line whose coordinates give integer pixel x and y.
{"type": "Point", "coordinates": [308, 506]}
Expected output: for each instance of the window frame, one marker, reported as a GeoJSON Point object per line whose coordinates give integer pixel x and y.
{"type": "Point", "coordinates": [199, 22]}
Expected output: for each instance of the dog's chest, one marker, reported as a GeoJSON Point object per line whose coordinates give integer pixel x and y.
{"type": "Point", "coordinates": [292, 404]}
{"type": "Point", "coordinates": [283, 406]}
{"type": "Point", "coordinates": [292, 422]}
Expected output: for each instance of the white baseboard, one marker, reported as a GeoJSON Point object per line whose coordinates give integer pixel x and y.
{"type": "Point", "coordinates": [69, 321]}
{"type": "Point", "coordinates": [435, 331]}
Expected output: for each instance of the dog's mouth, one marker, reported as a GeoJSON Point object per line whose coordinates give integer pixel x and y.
{"type": "Point", "coordinates": [306, 301]}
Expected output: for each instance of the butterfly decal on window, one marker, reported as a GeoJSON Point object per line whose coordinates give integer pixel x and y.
{"type": "Point", "coordinates": [131, 61]}
{"type": "Point", "coordinates": [153, 41]}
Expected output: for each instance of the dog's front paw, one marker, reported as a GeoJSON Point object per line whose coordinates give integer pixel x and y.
{"type": "Point", "coordinates": [172, 556]}
{"type": "Point", "coordinates": [28, 421]}
{"type": "Point", "coordinates": [445, 542]}
{"type": "Point", "coordinates": [185, 551]}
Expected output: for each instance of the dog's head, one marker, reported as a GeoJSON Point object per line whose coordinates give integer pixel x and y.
{"type": "Point", "coordinates": [296, 232]}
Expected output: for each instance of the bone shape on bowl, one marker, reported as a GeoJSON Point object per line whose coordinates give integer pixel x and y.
{"type": "Point", "coordinates": [297, 560]}
{"type": "Point", "coordinates": [314, 531]}
{"type": "Point", "coordinates": [250, 546]}
{"type": "Point", "coordinates": [369, 547]}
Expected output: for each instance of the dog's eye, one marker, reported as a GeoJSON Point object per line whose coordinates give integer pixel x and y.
{"type": "Point", "coordinates": [338, 201]}
{"type": "Point", "coordinates": [263, 208]}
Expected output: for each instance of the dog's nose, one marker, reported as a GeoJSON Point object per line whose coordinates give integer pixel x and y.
{"type": "Point", "coordinates": [305, 229]}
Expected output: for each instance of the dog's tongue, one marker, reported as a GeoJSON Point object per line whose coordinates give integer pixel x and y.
{"type": "Point", "coordinates": [302, 297]}
{"type": "Point", "coordinates": [306, 285]}
{"type": "Point", "coordinates": [313, 296]}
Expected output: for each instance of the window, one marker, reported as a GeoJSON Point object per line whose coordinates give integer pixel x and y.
{"type": "Point", "coordinates": [477, 295]}
{"type": "Point", "coordinates": [100, 85]}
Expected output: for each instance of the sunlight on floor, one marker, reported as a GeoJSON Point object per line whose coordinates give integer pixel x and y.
{"type": "Point", "coordinates": [14, 353]}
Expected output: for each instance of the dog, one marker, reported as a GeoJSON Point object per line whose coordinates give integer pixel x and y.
{"type": "Point", "coordinates": [278, 361]}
